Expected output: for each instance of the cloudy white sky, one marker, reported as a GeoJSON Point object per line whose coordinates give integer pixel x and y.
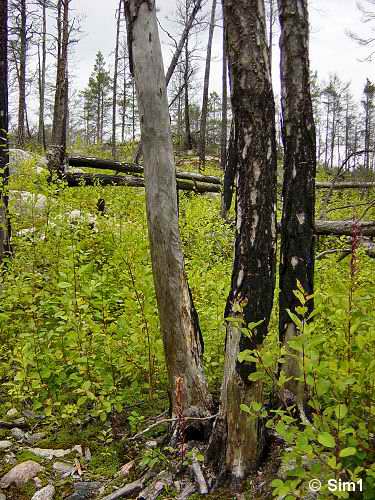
{"type": "Point", "coordinates": [332, 51]}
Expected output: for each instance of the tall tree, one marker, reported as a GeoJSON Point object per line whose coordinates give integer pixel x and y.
{"type": "Point", "coordinates": [237, 440]}
{"type": "Point", "coordinates": [42, 70]}
{"type": "Point", "coordinates": [368, 106]}
{"type": "Point", "coordinates": [297, 236]}
{"type": "Point", "coordinates": [4, 152]}
{"type": "Point", "coordinates": [18, 8]}
{"type": "Point", "coordinates": [203, 124]}
{"type": "Point", "coordinates": [115, 76]}
{"type": "Point", "coordinates": [60, 110]}
{"type": "Point", "coordinates": [179, 324]}
{"type": "Point", "coordinates": [224, 107]}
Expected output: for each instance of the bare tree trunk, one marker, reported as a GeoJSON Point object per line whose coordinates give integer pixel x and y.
{"type": "Point", "coordinates": [5, 229]}
{"type": "Point", "coordinates": [115, 75]}
{"type": "Point", "coordinates": [22, 77]}
{"type": "Point", "coordinates": [206, 84]}
{"type": "Point", "coordinates": [183, 343]}
{"type": "Point", "coordinates": [182, 41]}
{"type": "Point", "coordinates": [188, 138]}
{"type": "Point", "coordinates": [60, 106]}
{"type": "Point", "coordinates": [224, 107]}
{"type": "Point", "coordinates": [297, 236]}
{"type": "Point", "coordinates": [42, 61]}
{"type": "Point", "coordinates": [237, 440]}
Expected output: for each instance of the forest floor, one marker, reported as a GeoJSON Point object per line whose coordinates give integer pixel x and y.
{"type": "Point", "coordinates": [81, 359]}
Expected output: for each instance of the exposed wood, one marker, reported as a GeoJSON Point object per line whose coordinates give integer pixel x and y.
{"type": "Point", "coordinates": [179, 324]}
{"type": "Point", "coordinates": [129, 490]}
{"type": "Point", "coordinates": [199, 477]}
{"type": "Point", "coordinates": [237, 440]}
{"type": "Point", "coordinates": [78, 179]}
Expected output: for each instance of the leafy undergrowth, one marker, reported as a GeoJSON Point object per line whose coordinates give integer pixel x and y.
{"type": "Point", "coordinates": [80, 341]}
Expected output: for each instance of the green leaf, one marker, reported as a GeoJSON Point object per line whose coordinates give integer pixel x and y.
{"type": "Point", "coordinates": [326, 439]}
{"type": "Point", "coordinates": [348, 452]}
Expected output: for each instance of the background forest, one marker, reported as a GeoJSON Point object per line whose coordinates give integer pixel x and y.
{"type": "Point", "coordinates": [87, 407]}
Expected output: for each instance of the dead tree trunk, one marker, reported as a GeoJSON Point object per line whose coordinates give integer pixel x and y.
{"type": "Point", "coordinates": [42, 61]}
{"type": "Point", "coordinates": [297, 236]}
{"type": "Point", "coordinates": [182, 40]}
{"type": "Point", "coordinates": [22, 76]}
{"type": "Point", "coordinates": [4, 152]}
{"type": "Point", "coordinates": [183, 343]}
{"type": "Point", "coordinates": [224, 108]}
{"type": "Point", "coordinates": [203, 125]}
{"type": "Point", "coordinates": [188, 137]}
{"type": "Point", "coordinates": [60, 108]}
{"type": "Point", "coordinates": [237, 440]}
{"type": "Point", "coordinates": [115, 76]}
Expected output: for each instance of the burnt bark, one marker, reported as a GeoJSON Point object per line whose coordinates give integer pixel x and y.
{"type": "Point", "coordinates": [22, 75]}
{"type": "Point", "coordinates": [183, 343]}
{"type": "Point", "coordinates": [5, 229]}
{"type": "Point", "coordinates": [237, 439]}
{"type": "Point", "coordinates": [60, 105]}
{"type": "Point", "coordinates": [297, 236]}
{"type": "Point", "coordinates": [229, 173]}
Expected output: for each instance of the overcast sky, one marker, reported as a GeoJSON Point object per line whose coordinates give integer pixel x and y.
{"type": "Point", "coordinates": [332, 51]}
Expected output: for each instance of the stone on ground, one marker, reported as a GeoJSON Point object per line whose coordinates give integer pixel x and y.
{"type": "Point", "coordinates": [20, 474]}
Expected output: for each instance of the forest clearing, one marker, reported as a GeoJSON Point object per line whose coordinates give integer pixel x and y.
{"type": "Point", "coordinates": [187, 279]}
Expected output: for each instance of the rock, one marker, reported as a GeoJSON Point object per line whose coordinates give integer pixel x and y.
{"type": "Point", "coordinates": [24, 201]}
{"type": "Point", "coordinates": [46, 493]}
{"type": "Point", "coordinates": [38, 483]}
{"type": "Point", "coordinates": [2, 496]}
{"type": "Point", "coordinates": [151, 444]}
{"type": "Point", "coordinates": [4, 445]}
{"type": "Point", "coordinates": [18, 434]}
{"type": "Point", "coordinates": [17, 156]}
{"type": "Point", "coordinates": [20, 421]}
{"type": "Point", "coordinates": [34, 438]}
{"type": "Point", "coordinates": [49, 454]}
{"type": "Point", "coordinates": [63, 468]}
{"type": "Point", "coordinates": [87, 454]}
{"type": "Point", "coordinates": [85, 490]}
{"type": "Point", "coordinates": [10, 458]}
{"type": "Point", "coordinates": [125, 469]}
{"type": "Point", "coordinates": [78, 449]}
{"type": "Point", "coordinates": [12, 413]}
{"type": "Point", "coordinates": [21, 473]}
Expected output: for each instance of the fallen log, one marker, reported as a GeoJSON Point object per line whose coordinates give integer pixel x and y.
{"type": "Point", "coordinates": [345, 185]}
{"type": "Point", "coordinates": [344, 227]}
{"type": "Point", "coordinates": [79, 179]}
{"type": "Point", "coordinates": [130, 168]}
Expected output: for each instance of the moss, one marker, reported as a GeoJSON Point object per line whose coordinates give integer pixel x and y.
{"type": "Point", "coordinates": [69, 437]}
{"type": "Point", "coordinates": [24, 492]}
{"type": "Point", "coordinates": [106, 460]}
{"type": "Point", "coordinates": [24, 455]}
